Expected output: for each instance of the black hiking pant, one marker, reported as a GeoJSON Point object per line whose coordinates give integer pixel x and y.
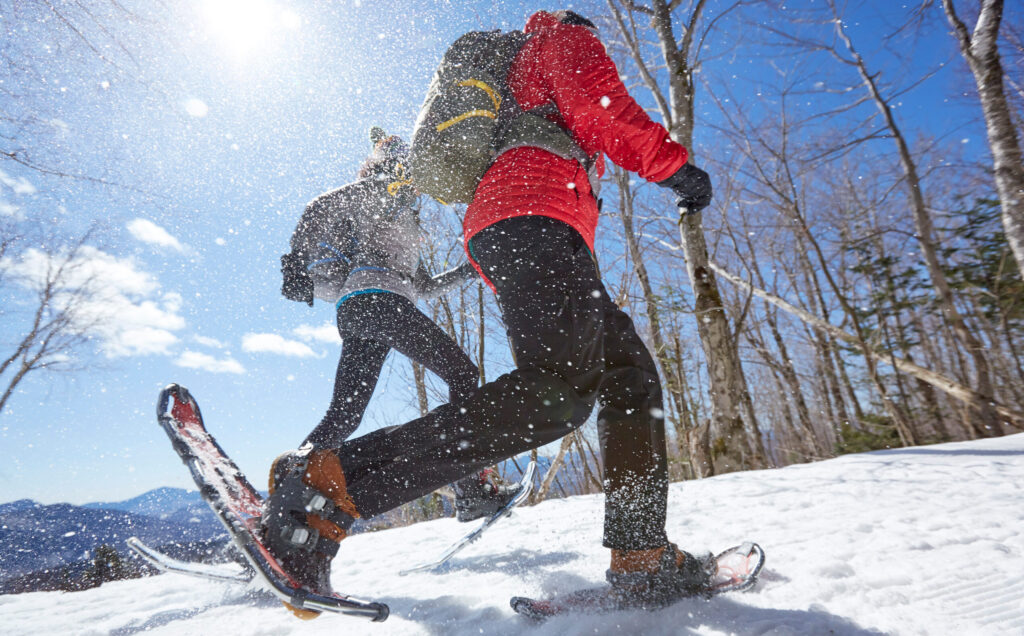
{"type": "Point", "coordinates": [572, 346]}
{"type": "Point", "coordinates": [370, 326]}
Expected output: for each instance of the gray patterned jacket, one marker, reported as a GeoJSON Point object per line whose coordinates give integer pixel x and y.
{"type": "Point", "coordinates": [360, 238]}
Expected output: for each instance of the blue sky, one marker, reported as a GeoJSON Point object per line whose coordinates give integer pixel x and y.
{"type": "Point", "coordinates": [243, 112]}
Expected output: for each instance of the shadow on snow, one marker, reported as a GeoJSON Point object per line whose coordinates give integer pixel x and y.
{"type": "Point", "coordinates": [924, 450]}
{"type": "Point", "coordinates": [518, 562]}
{"type": "Point", "coordinates": [449, 615]}
{"type": "Point", "coordinates": [251, 598]}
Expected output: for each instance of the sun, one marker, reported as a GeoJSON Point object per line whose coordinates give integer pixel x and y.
{"type": "Point", "coordinates": [243, 27]}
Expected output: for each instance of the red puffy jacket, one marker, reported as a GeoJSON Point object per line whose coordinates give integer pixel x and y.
{"type": "Point", "coordinates": [568, 66]}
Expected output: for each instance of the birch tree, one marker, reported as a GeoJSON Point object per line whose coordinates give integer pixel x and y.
{"type": "Point", "coordinates": [981, 51]}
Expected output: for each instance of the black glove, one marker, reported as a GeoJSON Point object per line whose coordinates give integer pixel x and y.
{"type": "Point", "coordinates": [297, 284]}
{"type": "Point", "coordinates": [692, 187]}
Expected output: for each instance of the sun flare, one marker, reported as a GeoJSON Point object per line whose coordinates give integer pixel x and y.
{"type": "Point", "coordinates": [245, 26]}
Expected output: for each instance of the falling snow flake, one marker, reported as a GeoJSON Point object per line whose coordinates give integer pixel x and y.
{"type": "Point", "coordinates": [196, 107]}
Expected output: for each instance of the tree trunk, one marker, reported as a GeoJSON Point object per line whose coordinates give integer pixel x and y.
{"type": "Point", "coordinates": [481, 333]}
{"type": "Point", "coordinates": [730, 448]}
{"type": "Point", "coordinates": [982, 54]}
{"type": "Point", "coordinates": [836, 377]}
{"type": "Point", "coordinates": [812, 444]}
{"type": "Point", "coordinates": [731, 444]}
{"type": "Point", "coordinates": [693, 439]}
{"type": "Point", "coordinates": [419, 377]}
{"type": "Point", "coordinates": [810, 441]}
{"type": "Point", "coordinates": [661, 353]}
{"type": "Point", "coordinates": [556, 464]}
{"type": "Point", "coordinates": [801, 443]}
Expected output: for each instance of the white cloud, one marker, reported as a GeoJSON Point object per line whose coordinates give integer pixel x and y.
{"type": "Point", "coordinates": [196, 360]}
{"type": "Point", "coordinates": [140, 340]}
{"type": "Point", "coordinates": [108, 297]}
{"type": "Point", "coordinates": [273, 343]}
{"type": "Point", "coordinates": [100, 272]}
{"type": "Point", "coordinates": [20, 185]}
{"type": "Point", "coordinates": [11, 210]}
{"type": "Point", "coordinates": [324, 333]}
{"type": "Point", "coordinates": [60, 125]}
{"type": "Point", "coordinates": [149, 232]}
{"type": "Point", "coordinates": [206, 341]}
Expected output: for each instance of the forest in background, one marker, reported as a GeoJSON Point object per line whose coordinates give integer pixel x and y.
{"type": "Point", "coordinates": [856, 283]}
{"type": "Point", "coordinates": [851, 286]}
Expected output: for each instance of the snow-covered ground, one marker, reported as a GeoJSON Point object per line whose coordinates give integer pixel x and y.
{"type": "Point", "coordinates": [924, 540]}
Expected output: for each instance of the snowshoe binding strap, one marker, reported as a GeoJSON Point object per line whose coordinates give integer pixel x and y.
{"type": "Point", "coordinates": [670, 580]}
{"type": "Point", "coordinates": [297, 516]}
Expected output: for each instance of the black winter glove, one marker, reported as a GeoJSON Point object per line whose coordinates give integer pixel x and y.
{"type": "Point", "coordinates": [692, 187]}
{"type": "Point", "coordinates": [297, 284]}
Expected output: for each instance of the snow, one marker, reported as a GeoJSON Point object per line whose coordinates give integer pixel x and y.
{"type": "Point", "coordinates": [924, 540]}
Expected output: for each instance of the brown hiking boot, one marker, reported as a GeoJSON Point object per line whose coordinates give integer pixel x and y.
{"type": "Point", "coordinates": [654, 578]}
{"type": "Point", "coordinates": [306, 516]}
{"type": "Point", "coordinates": [481, 495]}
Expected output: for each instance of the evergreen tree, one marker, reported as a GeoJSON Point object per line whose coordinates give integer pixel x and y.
{"type": "Point", "coordinates": [981, 261]}
{"type": "Point", "coordinates": [107, 565]}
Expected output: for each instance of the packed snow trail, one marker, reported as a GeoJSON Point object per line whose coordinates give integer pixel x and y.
{"type": "Point", "coordinates": [926, 540]}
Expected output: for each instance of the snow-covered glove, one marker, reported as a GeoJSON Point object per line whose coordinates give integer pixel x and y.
{"type": "Point", "coordinates": [692, 187]}
{"type": "Point", "coordinates": [296, 284]}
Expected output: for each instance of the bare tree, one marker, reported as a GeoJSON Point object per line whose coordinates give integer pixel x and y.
{"type": "Point", "coordinates": [803, 442]}
{"type": "Point", "coordinates": [1012, 416]}
{"type": "Point", "coordinates": [734, 447]}
{"type": "Point", "coordinates": [663, 355]}
{"type": "Point", "coordinates": [926, 233]}
{"type": "Point", "coordinates": [981, 51]}
{"type": "Point", "coordinates": [96, 34]}
{"type": "Point", "coordinates": [58, 320]}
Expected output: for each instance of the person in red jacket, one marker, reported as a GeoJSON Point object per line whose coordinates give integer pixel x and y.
{"type": "Point", "coordinates": [530, 232]}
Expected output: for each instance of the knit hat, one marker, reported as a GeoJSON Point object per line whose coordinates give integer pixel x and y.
{"type": "Point", "coordinates": [571, 17]}
{"type": "Point", "coordinates": [389, 152]}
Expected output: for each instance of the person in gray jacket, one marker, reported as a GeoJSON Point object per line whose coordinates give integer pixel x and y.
{"type": "Point", "coordinates": [358, 247]}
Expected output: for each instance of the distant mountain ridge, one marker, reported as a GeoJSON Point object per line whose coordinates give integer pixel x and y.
{"type": "Point", "coordinates": [35, 536]}
{"type": "Point", "coordinates": [17, 506]}
{"type": "Point", "coordinates": [159, 503]}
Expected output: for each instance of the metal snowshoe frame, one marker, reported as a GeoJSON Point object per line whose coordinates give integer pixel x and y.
{"type": "Point", "coordinates": [180, 417]}
{"type": "Point", "coordinates": [526, 487]}
{"type": "Point", "coordinates": [166, 563]}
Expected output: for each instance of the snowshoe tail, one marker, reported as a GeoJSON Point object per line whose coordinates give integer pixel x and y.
{"type": "Point", "coordinates": [537, 610]}
{"type": "Point", "coordinates": [594, 600]}
{"type": "Point", "coordinates": [166, 563]}
{"type": "Point", "coordinates": [525, 488]}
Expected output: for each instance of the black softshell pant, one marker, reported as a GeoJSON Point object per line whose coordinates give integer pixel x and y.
{"type": "Point", "coordinates": [572, 346]}
{"type": "Point", "coordinates": [370, 326]}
